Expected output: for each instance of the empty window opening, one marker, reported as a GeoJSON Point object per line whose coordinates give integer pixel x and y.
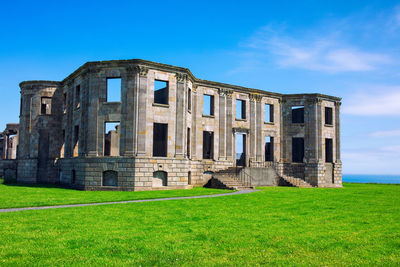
{"type": "Point", "coordinates": [297, 149]}
{"type": "Point", "coordinates": [328, 150]}
{"type": "Point", "coordinates": [63, 144]}
{"type": "Point", "coordinates": [208, 105]}
{"type": "Point", "coordinates": [110, 178]}
{"type": "Point", "coordinates": [76, 140]}
{"type": "Point", "coordinates": [111, 138]}
{"type": "Point", "coordinates": [298, 114]}
{"type": "Point", "coordinates": [208, 145]}
{"type": "Point", "coordinates": [328, 116]}
{"type": "Point", "coordinates": [160, 178]}
{"type": "Point", "coordinates": [188, 143]}
{"type": "Point", "coordinates": [189, 100]}
{"type": "Point", "coordinates": [160, 139]}
{"type": "Point", "coordinates": [77, 96]}
{"type": "Point", "coordinates": [114, 89]}
{"type": "Point", "coordinates": [11, 149]}
{"type": "Point", "coordinates": [65, 103]}
{"type": "Point", "coordinates": [240, 149]}
{"type": "Point", "coordinates": [189, 177]}
{"type": "Point", "coordinates": [269, 148]}
{"type": "Point", "coordinates": [240, 109]}
{"type": "Point", "coordinates": [73, 177]}
{"type": "Point", "coordinates": [161, 92]}
{"type": "Point", "coordinates": [45, 107]}
{"type": "Point", "coordinates": [269, 113]}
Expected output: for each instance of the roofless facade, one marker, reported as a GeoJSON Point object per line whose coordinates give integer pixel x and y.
{"type": "Point", "coordinates": [167, 129]}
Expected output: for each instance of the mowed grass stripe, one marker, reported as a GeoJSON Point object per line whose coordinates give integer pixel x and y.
{"type": "Point", "coordinates": [356, 225]}
{"type": "Point", "coordinates": [19, 196]}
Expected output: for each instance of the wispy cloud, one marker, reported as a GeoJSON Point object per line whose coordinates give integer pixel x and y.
{"type": "Point", "coordinates": [352, 44]}
{"type": "Point", "coordinates": [382, 160]}
{"type": "Point", "coordinates": [324, 55]}
{"type": "Point", "coordinates": [382, 101]}
{"type": "Point", "coordinates": [390, 133]}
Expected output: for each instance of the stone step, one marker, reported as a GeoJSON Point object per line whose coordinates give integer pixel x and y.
{"type": "Point", "coordinates": [296, 182]}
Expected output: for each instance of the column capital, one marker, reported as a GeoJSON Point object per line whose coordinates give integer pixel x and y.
{"type": "Point", "coordinates": [181, 77]}
{"type": "Point", "coordinates": [256, 97]}
{"type": "Point", "coordinates": [225, 92]}
{"type": "Point", "coordinates": [142, 70]}
{"type": "Point", "coordinates": [338, 104]}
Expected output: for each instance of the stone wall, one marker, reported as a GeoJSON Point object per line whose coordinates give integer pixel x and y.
{"type": "Point", "coordinates": [71, 138]}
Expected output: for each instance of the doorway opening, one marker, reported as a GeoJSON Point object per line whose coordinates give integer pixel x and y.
{"type": "Point", "coordinates": [240, 149]}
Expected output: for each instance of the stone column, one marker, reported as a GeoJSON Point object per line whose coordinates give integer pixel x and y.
{"type": "Point", "coordinates": [259, 137]}
{"type": "Point", "coordinates": [180, 122]}
{"type": "Point", "coordinates": [229, 133]}
{"type": "Point", "coordinates": [141, 110]}
{"type": "Point", "coordinates": [337, 128]}
{"type": "Point", "coordinates": [93, 109]}
{"type": "Point", "coordinates": [193, 131]}
{"type": "Point", "coordinates": [222, 124]}
{"type": "Point", "coordinates": [252, 117]}
{"type": "Point", "coordinates": [5, 151]}
{"type": "Point", "coordinates": [128, 114]}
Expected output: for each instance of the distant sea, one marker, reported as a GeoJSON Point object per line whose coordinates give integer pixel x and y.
{"type": "Point", "coordinates": [369, 178]}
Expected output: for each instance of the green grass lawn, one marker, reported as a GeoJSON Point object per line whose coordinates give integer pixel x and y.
{"type": "Point", "coordinates": [355, 225]}
{"type": "Point", "coordinates": [19, 195]}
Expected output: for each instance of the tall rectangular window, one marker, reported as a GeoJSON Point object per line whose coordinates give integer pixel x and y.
{"type": "Point", "coordinates": [77, 96]}
{"type": "Point", "coordinates": [240, 109]}
{"type": "Point", "coordinates": [189, 100]}
{"type": "Point", "coordinates": [76, 141]}
{"type": "Point", "coordinates": [298, 114]}
{"type": "Point", "coordinates": [65, 103]}
{"type": "Point", "coordinates": [161, 92]}
{"type": "Point", "coordinates": [328, 150]}
{"type": "Point", "coordinates": [188, 143]}
{"type": "Point", "coordinates": [114, 89]}
{"type": "Point", "coordinates": [269, 148]}
{"type": "Point", "coordinates": [297, 149]}
{"type": "Point", "coordinates": [160, 139]}
{"type": "Point", "coordinates": [45, 106]}
{"type": "Point", "coordinates": [269, 113]}
{"type": "Point", "coordinates": [111, 139]}
{"type": "Point", "coordinates": [328, 116]}
{"type": "Point", "coordinates": [208, 145]}
{"type": "Point", "coordinates": [208, 105]}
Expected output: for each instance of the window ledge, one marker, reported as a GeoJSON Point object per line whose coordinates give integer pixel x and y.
{"type": "Point", "coordinates": [112, 102]}
{"type": "Point", "coordinates": [208, 116]}
{"type": "Point", "coordinates": [160, 105]}
{"type": "Point", "coordinates": [238, 119]}
{"type": "Point", "coordinates": [328, 125]}
{"type": "Point", "coordinates": [189, 111]}
{"type": "Point", "coordinates": [298, 123]}
{"type": "Point", "coordinates": [269, 122]}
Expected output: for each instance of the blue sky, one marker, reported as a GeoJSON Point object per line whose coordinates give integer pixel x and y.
{"type": "Point", "coordinates": [348, 49]}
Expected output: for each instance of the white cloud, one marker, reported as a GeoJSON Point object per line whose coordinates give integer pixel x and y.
{"type": "Point", "coordinates": [390, 133]}
{"type": "Point", "coordinates": [382, 101]}
{"type": "Point", "coordinates": [319, 54]}
{"type": "Point", "coordinates": [383, 160]}
{"type": "Point", "coordinates": [394, 149]}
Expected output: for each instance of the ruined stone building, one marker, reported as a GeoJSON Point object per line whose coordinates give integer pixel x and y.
{"type": "Point", "coordinates": [168, 129]}
{"type": "Point", "coordinates": [9, 141]}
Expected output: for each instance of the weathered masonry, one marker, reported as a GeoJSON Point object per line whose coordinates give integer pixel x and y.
{"type": "Point", "coordinates": [140, 125]}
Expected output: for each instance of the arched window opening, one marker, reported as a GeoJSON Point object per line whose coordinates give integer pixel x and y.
{"type": "Point", "coordinates": [160, 178]}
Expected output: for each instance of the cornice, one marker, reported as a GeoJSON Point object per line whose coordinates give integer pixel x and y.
{"type": "Point", "coordinates": [130, 64]}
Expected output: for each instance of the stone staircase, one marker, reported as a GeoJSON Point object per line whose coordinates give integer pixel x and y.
{"type": "Point", "coordinates": [229, 179]}
{"type": "Point", "coordinates": [296, 182]}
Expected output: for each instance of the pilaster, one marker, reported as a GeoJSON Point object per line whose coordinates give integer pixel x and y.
{"type": "Point", "coordinates": [142, 108]}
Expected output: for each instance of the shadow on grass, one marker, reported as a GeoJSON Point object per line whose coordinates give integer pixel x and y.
{"type": "Point", "coordinates": [19, 184]}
